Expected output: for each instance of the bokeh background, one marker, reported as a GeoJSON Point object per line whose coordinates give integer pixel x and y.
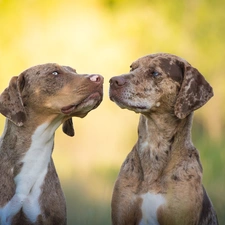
{"type": "Point", "coordinates": [105, 36]}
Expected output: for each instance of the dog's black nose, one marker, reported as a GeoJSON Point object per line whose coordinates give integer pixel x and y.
{"type": "Point", "coordinates": [117, 81]}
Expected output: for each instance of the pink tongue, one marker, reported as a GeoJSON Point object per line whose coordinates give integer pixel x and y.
{"type": "Point", "coordinates": [68, 109]}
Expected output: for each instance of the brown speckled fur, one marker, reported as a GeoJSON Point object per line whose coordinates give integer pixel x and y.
{"type": "Point", "coordinates": [39, 95]}
{"type": "Point", "coordinates": [166, 90]}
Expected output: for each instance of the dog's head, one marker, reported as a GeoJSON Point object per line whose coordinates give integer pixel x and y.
{"type": "Point", "coordinates": [161, 82]}
{"type": "Point", "coordinates": [50, 89]}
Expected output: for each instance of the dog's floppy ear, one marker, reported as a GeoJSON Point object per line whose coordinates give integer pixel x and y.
{"type": "Point", "coordinates": [11, 103]}
{"type": "Point", "coordinates": [68, 127]}
{"type": "Point", "coordinates": [195, 92]}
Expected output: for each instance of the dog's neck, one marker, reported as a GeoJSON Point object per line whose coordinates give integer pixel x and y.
{"type": "Point", "coordinates": [157, 138]}
{"type": "Point", "coordinates": [17, 140]}
{"type": "Point", "coordinates": [26, 152]}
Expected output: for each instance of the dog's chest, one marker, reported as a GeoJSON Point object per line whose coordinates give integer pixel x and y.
{"type": "Point", "coordinates": [30, 178]}
{"type": "Point", "coordinates": [150, 205]}
{"type": "Point", "coordinates": [33, 172]}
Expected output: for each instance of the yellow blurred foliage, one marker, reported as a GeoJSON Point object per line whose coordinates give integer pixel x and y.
{"type": "Point", "coordinates": [105, 36]}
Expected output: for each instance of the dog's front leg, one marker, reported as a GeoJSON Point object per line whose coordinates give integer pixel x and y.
{"type": "Point", "coordinates": [11, 209]}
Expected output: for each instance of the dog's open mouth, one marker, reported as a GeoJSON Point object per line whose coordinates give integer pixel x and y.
{"type": "Point", "coordinates": [89, 103]}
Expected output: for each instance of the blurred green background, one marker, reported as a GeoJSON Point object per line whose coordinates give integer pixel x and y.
{"type": "Point", "coordinates": [105, 36]}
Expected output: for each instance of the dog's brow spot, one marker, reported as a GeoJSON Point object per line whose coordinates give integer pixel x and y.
{"type": "Point", "coordinates": [158, 104]}
{"type": "Point", "coordinates": [136, 82]}
{"type": "Point", "coordinates": [174, 177]}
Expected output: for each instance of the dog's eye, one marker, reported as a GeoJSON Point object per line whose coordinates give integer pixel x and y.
{"type": "Point", "coordinates": [55, 73]}
{"type": "Point", "coordinates": [155, 73]}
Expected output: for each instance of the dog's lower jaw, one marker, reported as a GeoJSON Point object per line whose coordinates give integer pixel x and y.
{"type": "Point", "coordinates": [137, 108]}
{"type": "Point", "coordinates": [86, 105]}
{"type": "Point", "coordinates": [31, 176]}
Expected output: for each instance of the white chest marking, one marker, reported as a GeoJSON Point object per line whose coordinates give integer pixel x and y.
{"type": "Point", "coordinates": [30, 179]}
{"type": "Point", "coordinates": [151, 203]}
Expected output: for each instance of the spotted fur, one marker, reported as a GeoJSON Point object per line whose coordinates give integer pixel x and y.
{"type": "Point", "coordinates": [160, 182]}
{"type": "Point", "coordinates": [35, 104]}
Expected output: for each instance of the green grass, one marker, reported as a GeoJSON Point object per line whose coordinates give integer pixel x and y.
{"type": "Point", "coordinates": [83, 210]}
{"type": "Point", "coordinates": [84, 207]}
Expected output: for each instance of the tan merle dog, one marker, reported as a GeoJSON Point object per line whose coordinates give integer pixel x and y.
{"type": "Point", "coordinates": [35, 104]}
{"type": "Point", "coordinates": [160, 182]}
